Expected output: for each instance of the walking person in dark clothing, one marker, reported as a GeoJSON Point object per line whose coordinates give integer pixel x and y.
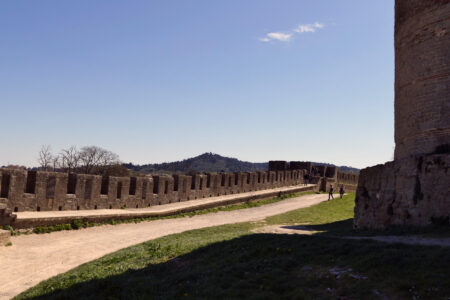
{"type": "Point", "coordinates": [306, 179]}
{"type": "Point", "coordinates": [342, 191]}
{"type": "Point", "coordinates": [330, 194]}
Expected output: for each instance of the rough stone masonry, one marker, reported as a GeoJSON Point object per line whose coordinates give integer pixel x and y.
{"type": "Point", "coordinates": [414, 189]}
{"type": "Point", "coordinates": [22, 190]}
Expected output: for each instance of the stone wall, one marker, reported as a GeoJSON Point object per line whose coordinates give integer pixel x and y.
{"type": "Point", "coordinates": [348, 180]}
{"type": "Point", "coordinates": [278, 165]}
{"type": "Point", "coordinates": [52, 191]}
{"type": "Point", "coordinates": [411, 192]}
{"type": "Point", "coordinates": [46, 191]}
{"type": "Point", "coordinates": [414, 189]}
{"type": "Point", "coordinates": [322, 175]}
{"type": "Point", "coordinates": [6, 215]}
{"type": "Point", "coordinates": [422, 76]}
{"type": "Point", "coordinates": [5, 237]}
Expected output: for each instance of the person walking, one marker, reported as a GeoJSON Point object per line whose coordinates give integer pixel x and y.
{"type": "Point", "coordinates": [330, 194]}
{"type": "Point", "coordinates": [341, 191]}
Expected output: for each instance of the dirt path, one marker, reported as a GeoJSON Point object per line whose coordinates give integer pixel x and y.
{"type": "Point", "coordinates": [33, 258]}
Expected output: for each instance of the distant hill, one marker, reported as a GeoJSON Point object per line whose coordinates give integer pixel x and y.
{"type": "Point", "coordinates": [207, 162]}
{"type": "Point", "coordinates": [210, 162]}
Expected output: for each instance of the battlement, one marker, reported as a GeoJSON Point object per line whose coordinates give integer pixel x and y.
{"type": "Point", "coordinates": [321, 175]}
{"type": "Point", "coordinates": [22, 190]}
{"type": "Point", "coordinates": [46, 191]}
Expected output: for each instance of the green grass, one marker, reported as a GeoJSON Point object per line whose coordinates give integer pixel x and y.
{"type": "Point", "coordinates": [335, 217]}
{"type": "Point", "coordinates": [230, 262]}
{"type": "Point", "coordinates": [80, 224]}
{"type": "Point", "coordinates": [140, 257]}
{"type": "Point", "coordinates": [323, 213]}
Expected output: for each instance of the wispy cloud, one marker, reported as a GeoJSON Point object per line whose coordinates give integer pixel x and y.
{"type": "Point", "coordinates": [287, 36]}
{"type": "Point", "coordinates": [309, 27]}
{"type": "Point", "coordinates": [284, 37]}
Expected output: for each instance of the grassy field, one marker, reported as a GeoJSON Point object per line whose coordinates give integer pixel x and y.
{"type": "Point", "coordinates": [229, 262]}
{"type": "Point", "coordinates": [335, 216]}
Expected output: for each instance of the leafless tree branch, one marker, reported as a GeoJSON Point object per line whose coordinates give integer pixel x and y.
{"type": "Point", "coordinates": [45, 157]}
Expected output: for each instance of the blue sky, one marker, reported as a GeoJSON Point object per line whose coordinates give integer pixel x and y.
{"type": "Point", "coordinates": [158, 81]}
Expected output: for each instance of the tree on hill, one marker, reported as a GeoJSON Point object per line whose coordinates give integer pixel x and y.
{"type": "Point", "coordinates": [210, 162]}
{"type": "Point", "coordinates": [207, 162]}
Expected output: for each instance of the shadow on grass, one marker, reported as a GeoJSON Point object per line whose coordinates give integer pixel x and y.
{"type": "Point", "coordinates": [345, 228]}
{"type": "Point", "coordinates": [338, 228]}
{"type": "Point", "coordinates": [272, 266]}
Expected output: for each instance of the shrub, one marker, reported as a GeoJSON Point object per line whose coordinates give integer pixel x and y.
{"type": "Point", "coordinates": [78, 224]}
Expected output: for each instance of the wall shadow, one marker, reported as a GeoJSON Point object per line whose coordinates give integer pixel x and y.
{"type": "Point", "coordinates": [345, 228]}
{"type": "Point", "coordinates": [340, 228]}
{"type": "Point", "coordinates": [270, 266]}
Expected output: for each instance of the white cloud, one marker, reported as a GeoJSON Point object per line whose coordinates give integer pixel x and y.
{"type": "Point", "coordinates": [319, 25]}
{"type": "Point", "coordinates": [305, 28]}
{"type": "Point", "coordinates": [284, 37]}
{"type": "Point", "coordinates": [309, 27]}
{"type": "Point", "coordinates": [287, 36]}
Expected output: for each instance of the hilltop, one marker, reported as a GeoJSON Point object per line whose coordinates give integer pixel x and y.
{"type": "Point", "coordinates": [211, 162]}
{"type": "Point", "coordinates": [207, 162]}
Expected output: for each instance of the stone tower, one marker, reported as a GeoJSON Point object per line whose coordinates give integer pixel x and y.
{"type": "Point", "coordinates": [422, 76]}
{"type": "Point", "coordinates": [414, 189]}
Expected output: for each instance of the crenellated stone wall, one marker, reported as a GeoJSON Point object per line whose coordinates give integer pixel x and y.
{"type": "Point", "coordinates": [22, 190]}
{"type": "Point", "coordinates": [348, 180]}
{"type": "Point", "coordinates": [321, 175]}
{"type": "Point", "coordinates": [45, 191]}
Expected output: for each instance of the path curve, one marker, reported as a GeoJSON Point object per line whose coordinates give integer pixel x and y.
{"type": "Point", "coordinates": [34, 258]}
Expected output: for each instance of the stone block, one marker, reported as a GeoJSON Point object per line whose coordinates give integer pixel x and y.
{"type": "Point", "coordinates": [5, 237]}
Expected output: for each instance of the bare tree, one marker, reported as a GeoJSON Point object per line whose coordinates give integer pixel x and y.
{"type": "Point", "coordinates": [95, 159]}
{"type": "Point", "coordinates": [56, 162]}
{"type": "Point", "coordinates": [70, 159]}
{"type": "Point", "coordinates": [45, 157]}
{"type": "Point", "coordinates": [111, 164]}
{"type": "Point", "coordinates": [88, 160]}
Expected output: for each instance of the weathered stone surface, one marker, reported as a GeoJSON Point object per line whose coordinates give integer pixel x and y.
{"type": "Point", "coordinates": [45, 191]}
{"type": "Point", "coordinates": [348, 180]}
{"type": "Point", "coordinates": [411, 192]}
{"type": "Point", "coordinates": [278, 165]}
{"type": "Point", "coordinates": [5, 237]}
{"type": "Point", "coordinates": [6, 215]}
{"type": "Point", "coordinates": [422, 76]}
{"type": "Point", "coordinates": [300, 165]}
{"type": "Point", "coordinates": [415, 188]}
